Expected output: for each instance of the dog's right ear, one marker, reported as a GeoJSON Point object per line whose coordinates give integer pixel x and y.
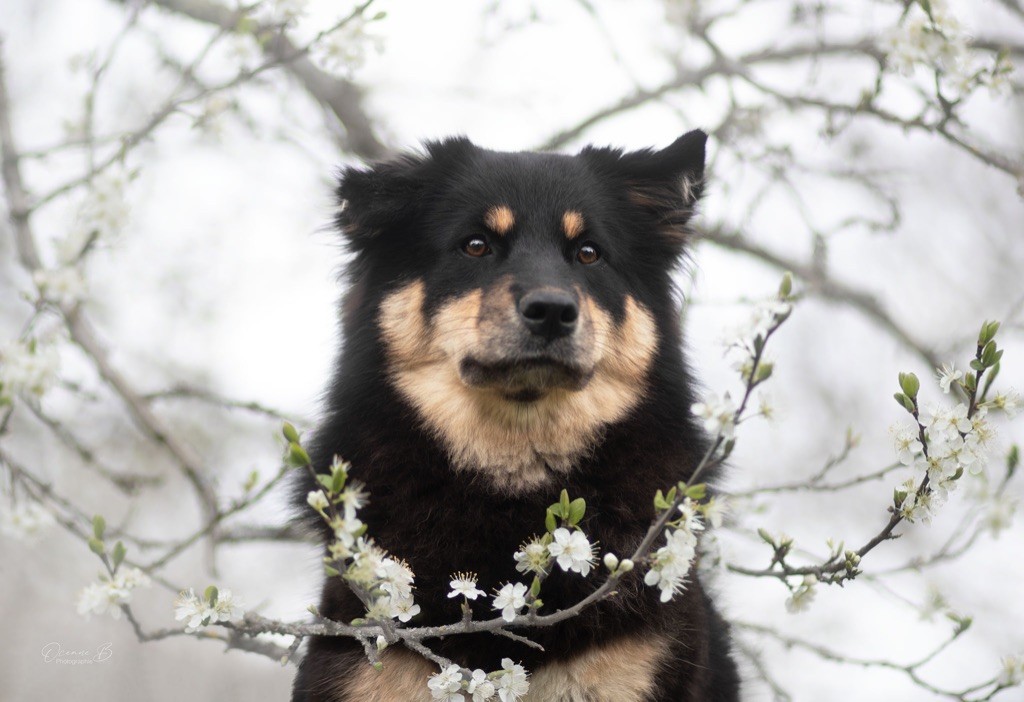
{"type": "Point", "coordinates": [389, 194]}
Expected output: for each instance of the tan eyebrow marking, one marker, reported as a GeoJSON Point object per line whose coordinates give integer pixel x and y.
{"type": "Point", "coordinates": [500, 219]}
{"type": "Point", "coordinates": [572, 224]}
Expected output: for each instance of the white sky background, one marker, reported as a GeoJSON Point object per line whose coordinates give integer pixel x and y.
{"type": "Point", "coordinates": [226, 278]}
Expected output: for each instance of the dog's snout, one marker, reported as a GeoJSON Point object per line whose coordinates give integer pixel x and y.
{"type": "Point", "coordinates": [549, 313]}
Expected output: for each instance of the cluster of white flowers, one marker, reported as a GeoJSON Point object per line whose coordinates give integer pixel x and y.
{"type": "Point", "coordinates": [672, 562]}
{"type": "Point", "coordinates": [65, 286]}
{"type": "Point", "coordinates": [742, 342]}
{"type": "Point", "coordinates": [101, 216]}
{"type": "Point", "coordinates": [24, 519]}
{"type": "Point", "coordinates": [936, 40]}
{"type": "Point", "coordinates": [214, 606]}
{"type": "Point", "coordinates": [110, 593]}
{"type": "Point", "coordinates": [955, 443]}
{"type": "Point", "coordinates": [453, 684]}
{"type": "Point", "coordinates": [718, 414]}
{"type": "Point", "coordinates": [800, 599]}
{"type": "Point", "coordinates": [28, 369]}
{"type": "Point", "coordinates": [388, 581]}
{"type": "Point", "coordinates": [345, 50]}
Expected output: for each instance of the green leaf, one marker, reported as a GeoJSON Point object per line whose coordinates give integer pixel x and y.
{"type": "Point", "coordinates": [1012, 460]}
{"type": "Point", "coordinates": [786, 286]}
{"type": "Point", "coordinates": [97, 546]}
{"type": "Point", "coordinates": [338, 481]}
{"type": "Point", "coordinates": [766, 537]}
{"type": "Point", "coordinates": [905, 402]}
{"type": "Point", "coordinates": [535, 588]}
{"type": "Point", "coordinates": [324, 480]}
{"type": "Point", "coordinates": [550, 523]}
{"type": "Point", "coordinates": [577, 508]}
{"type": "Point", "coordinates": [297, 455]}
{"type": "Point", "coordinates": [211, 595]}
{"type": "Point", "coordinates": [291, 435]}
{"type": "Point", "coordinates": [99, 525]}
{"type": "Point", "coordinates": [988, 355]}
{"type": "Point", "coordinates": [697, 492]}
{"type": "Point", "coordinates": [977, 365]}
{"type": "Point", "coordinates": [563, 500]}
{"type": "Point", "coordinates": [988, 332]}
{"type": "Point", "coordinates": [764, 371]}
{"type": "Point", "coordinates": [118, 555]}
{"type": "Point", "coordinates": [659, 501]}
{"type": "Point", "coordinates": [910, 384]}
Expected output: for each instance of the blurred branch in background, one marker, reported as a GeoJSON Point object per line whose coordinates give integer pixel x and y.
{"type": "Point", "coordinates": [812, 107]}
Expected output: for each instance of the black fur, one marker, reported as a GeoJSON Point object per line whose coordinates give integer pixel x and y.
{"type": "Point", "coordinates": [404, 220]}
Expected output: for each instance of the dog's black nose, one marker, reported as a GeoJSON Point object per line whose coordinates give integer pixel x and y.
{"type": "Point", "coordinates": [549, 313]}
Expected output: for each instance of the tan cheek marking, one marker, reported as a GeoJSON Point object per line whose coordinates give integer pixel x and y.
{"type": "Point", "coordinates": [456, 325]}
{"type": "Point", "coordinates": [636, 341]}
{"type": "Point", "coordinates": [621, 671]}
{"type": "Point", "coordinates": [500, 219]}
{"type": "Point", "coordinates": [403, 679]}
{"type": "Point", "coordinates": [402, 325]}
{"type": "Point", "coordinates": [572, 224]}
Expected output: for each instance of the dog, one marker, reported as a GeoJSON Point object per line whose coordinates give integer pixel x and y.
{"type": "Point", "coordinates": [511, 329]}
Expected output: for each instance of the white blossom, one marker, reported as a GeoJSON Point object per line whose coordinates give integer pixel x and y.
{"type": "Point", "coordinates": [672, 562]}
{"type": "Point", "coordinates": [24, 520]}
{"type": "Point", "coordinates": [464, 585]}
{"type": "Point", "coordinates": [28, 368]}
{"type": "Point", "coordinates": [1011, 671]}
{"type": "Point", "coordinates": [1009, 402]}
{"type": "Point", "coordinates": [447, 685]}
{"type": "Point", "coordinates": [802, 597]}
{"type": "Point", "coordinates": [353, 498]}
{"type": "Point", "coordinates": [318, 500]}
{"type": "Point", "coordinates": [714, 510]}
{"type": "Point", "coordinates": [719, 415]}
{"type": "Point", "coordinates": [937, 41]}
{"type": "Point", "coordinates": [480, 687]}
{"type": "Point", "coordinates": [907, 443]}
{"type": "Point", "coordinates": [572, 551]}
{"type": "Point", "coordinates": [346, 49]}
{"type": "Point", "coordinates": [510, 599]}
{"type": "Point", "coordinates": [512, 683]}
{"type": "Point", "coordinates": [199, 612]}
{"type": "Point", "coordinates": [101, 216]}
{"type": "Point", "coordinates": [65, 286]}
{"type": "Point", "coordinates": [532, 557]}
{"type": "Point", "coordinates": [108, 595]}
{"type": "Point", "coordinates": [948, 375]}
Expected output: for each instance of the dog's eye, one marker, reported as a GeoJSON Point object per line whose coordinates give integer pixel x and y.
{"type": "Point", "coordinates": [476, 247]}
{"type": "Point", "coordinates": [588, 254]}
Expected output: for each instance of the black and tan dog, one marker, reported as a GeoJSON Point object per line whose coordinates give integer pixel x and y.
{"type": "Point", "coordinates": [511, 330]}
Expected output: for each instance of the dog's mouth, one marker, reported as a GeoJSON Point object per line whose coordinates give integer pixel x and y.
{"type": "Point", "coordinates": [524, 379]}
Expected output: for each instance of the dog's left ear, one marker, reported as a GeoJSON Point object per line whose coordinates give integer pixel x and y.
{"type": "Point", "coordinates": [388, 195]}
{"type": "Point", "coordinates": [666, 183]}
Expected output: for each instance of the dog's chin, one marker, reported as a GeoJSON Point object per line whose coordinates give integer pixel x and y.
{"type": "Point", "coordinates": [524, 379]}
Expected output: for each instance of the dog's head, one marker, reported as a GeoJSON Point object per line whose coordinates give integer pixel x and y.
{"type": "Point", "coordinates": [521, 292]}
